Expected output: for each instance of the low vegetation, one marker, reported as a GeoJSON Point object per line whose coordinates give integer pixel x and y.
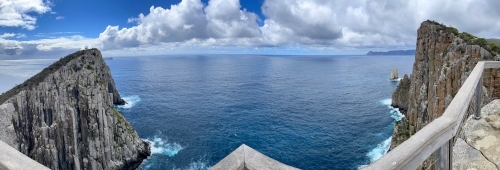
{"type": "Point", "coordinates": [491, 45]}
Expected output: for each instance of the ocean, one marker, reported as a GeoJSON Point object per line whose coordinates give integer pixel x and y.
{"type": "Point", "coordinates": [310, 112]}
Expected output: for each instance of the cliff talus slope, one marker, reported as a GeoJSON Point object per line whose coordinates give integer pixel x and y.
{"type": "Point", "coordinates": [64, 117]}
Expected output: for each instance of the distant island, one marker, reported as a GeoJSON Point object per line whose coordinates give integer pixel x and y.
{"type": "Point", "coordinates": [394, 52]}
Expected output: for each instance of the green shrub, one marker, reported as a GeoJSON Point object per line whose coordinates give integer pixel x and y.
{"type": "Point", "coordinates": [480, 41]}
{"type": "Point", "coordinates": [494, 47]}
{"type": "Point", "coordinates": [467, 37]}
{"type": "Point", "coordinates": [452, 30]}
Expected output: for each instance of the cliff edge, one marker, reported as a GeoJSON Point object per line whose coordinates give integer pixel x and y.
{"type": "Point", "coordinates": [64, 117]}
{"type": "Point", "coordinates": [444, 59]}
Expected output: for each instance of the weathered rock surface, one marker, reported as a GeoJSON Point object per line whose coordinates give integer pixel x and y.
{"type": "Point", "coordinates": [484, 134]}
{"type": "Point", "coordinates": [466, 157]}
{"type": "Point", "coordinates": [394, 74]}
{"type": "Point", "coordinates": [400, 97]}
{"type": "Point", "coordinates": [443, 61]}
{"type": "Point", "coordinates": [64, 117]}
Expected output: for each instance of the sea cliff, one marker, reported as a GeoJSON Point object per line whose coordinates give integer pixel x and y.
{"type": "Point", "coordinates": [64, 117]}
{"type": "Point", "coordinates": [444, 59]}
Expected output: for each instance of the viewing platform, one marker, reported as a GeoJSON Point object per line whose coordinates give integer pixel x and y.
{"type": "Point", "coordinates": [441, 135]}
{"type": "Point", "coordinates": [246, 158]}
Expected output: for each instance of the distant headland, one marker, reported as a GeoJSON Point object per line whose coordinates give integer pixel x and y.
{"type": "Point", "coordinates": [393, 52]}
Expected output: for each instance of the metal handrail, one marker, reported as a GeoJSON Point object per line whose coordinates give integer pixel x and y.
{"type": "Point", "coordinates": [437, 136]}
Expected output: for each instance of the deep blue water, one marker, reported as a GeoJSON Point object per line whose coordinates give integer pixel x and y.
{"type": "Point", "coordinates": [310, 112]}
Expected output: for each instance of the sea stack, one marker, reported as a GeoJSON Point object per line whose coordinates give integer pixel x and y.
{"type": "Point", "coordinates": [394, 74]}
{"type": "Point", "coordinates": [64, 117]}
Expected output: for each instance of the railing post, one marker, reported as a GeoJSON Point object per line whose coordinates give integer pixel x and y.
{"type": "Point", "coordinates": [444, 156]}
{"type": "Point", "coordinates": [479, 95]}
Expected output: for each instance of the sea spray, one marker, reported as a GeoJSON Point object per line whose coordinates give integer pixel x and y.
{"type": "Point", "coordinates": [397, 80]}
{"type": "Point", "coordinates": [386, 102]}
{"type": "Point", "coordinates": [376, 153]}
{"type": "Point", "coordinates": [395, 113]}
{"type": "Point", "coordinates": [163, 146]}
{"type": "Point", "coordinates": [131, 101]}
{"type": "Point", "coordinates": [379, 151]}
{"type": "Point", "coordinates": [383, 147]}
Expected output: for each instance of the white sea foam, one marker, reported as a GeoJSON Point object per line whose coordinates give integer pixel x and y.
{"type": "Point", "coordinates": [398, 79]}
{"type": "Point", "coordinates": [162, 146]}
{"type": "Point", "coordinates": [395, 113]}
{"type": "Point", "coordinates": [131, 101]}
{"type": "Point", "coordinates": [379, 151]}
{"type": "Point", "coordinates": [386, 102]}
{"type": "Point", "coordinates": [383, 147]}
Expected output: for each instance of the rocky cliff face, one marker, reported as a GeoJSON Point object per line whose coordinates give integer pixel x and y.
{"type": "Point", "coordinates": [64, 117]}
{"type": "Point", "coordinates": [443, 61]}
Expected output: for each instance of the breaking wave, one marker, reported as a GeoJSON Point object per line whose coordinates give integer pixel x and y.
{"type": "Point", "coordinates": [386, 102]}
{"type": "Point", "coordinates": [379, 151]}
{"type": "Point", "coordinates": [395, 113]}
{"type": "Point", "coordinates": [398, 79]}
{"type": "Point", "coordinates": [163, 146]}
{"type": "Point", "coordinates": [131, 101]}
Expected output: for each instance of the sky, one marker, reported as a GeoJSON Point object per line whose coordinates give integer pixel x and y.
{"type": "Point", "coordinates": [55, 28]}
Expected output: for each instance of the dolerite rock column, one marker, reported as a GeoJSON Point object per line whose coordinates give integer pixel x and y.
{"type": "Point", "coordinates": [64, 117]}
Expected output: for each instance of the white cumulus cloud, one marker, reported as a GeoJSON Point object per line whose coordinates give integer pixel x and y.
{"type": "Point", "coordinates": [301, 21]}
{"type": "Point", "coordinates": [221, 26]}
{"type": "Point", "coordinates": [357, 24]}
{"type": "Point", "coordinates": [19, 13]}
{"type": "Point", "coordinates": [187, 21]}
